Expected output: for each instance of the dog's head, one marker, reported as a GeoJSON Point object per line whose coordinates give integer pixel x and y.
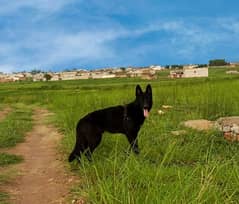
{"type": "Point", "coordinates": [144, 99]}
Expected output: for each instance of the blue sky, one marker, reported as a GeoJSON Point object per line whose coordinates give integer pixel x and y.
{"type": "Point", "coordinates": [56, 35]}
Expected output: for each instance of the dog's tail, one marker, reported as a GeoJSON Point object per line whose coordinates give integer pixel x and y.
{"type": "Point", "coordinates": [72, 156]}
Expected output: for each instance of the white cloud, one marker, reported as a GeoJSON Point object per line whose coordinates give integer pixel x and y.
{"type": "Point", "coordinates": [7, 68]}
{"type": "Point", "coordinates": [9, 7]}
{"type": "Point", "coordinates": [34, 46]}
{"type": "Point", "coordinates": [229, 24]}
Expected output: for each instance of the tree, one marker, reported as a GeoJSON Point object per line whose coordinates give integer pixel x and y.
{"type": "Point", "coordinates": [176, 66]}
{"type": "Point", "coordinates": [47, 76]}
{"type": "Point", "coordinates": [202, 65]}
{"type": "Point", "coordinates": [217, 62]}
{"type": "Point", "coordinates": [123, 69]}
{"type": "Point", "coordinates": [35, 71]}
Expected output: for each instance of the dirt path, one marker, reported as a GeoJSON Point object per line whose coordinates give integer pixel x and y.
{"type": "Point", "coordinates": [42, 177]}
{"type": "Point", "coordinates": [4, 113]}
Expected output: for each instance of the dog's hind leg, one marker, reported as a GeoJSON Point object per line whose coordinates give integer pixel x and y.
{"type": "Point", "coordinates": [80, 147]}
{"type": "Point", "coordinates": [76, 153]}
{"type": "Point", "coordinates": [93, 143]}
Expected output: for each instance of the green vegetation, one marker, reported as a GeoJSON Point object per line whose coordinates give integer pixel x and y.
{"type": "Point", "coordinates": [6, 159]}
{"type": "Point", "coordinates": [47, 76]}
{"type": "Point", "coordinates": [218, 62]}
{"type": "Point", "coordinates": [15, 125]}
{"type": "Point", "coordinates": [198, 167]}
{"type": "Point", "coordinates": [12, 130]}
{"type": "Point", "coordinates": [3, 198]}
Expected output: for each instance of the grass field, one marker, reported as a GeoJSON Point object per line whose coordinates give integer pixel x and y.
{"type": "Point", "coordinates": [12, 130]}
{"type": "Point", "coordinates": [198, 167]}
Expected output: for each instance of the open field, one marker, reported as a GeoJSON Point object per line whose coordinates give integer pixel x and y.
{"type": "Point", "coordinates": [198, 167]}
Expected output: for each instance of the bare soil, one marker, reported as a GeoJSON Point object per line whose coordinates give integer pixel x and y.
{"type": "Point", "coordinates": [42, 178]}
{"type": "Point", "coordinates": [4, 112]}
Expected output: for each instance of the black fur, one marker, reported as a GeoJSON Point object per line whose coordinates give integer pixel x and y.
{"type": "Point", "coordinates": [118, 119]}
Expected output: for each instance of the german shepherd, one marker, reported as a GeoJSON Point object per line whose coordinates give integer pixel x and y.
{"type": "Point", "coordinates": [125, 119]}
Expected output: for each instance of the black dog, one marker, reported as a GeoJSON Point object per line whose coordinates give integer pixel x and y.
{"type": "Point", "coordinates": [118, 119]}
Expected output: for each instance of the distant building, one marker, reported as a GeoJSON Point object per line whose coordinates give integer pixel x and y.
{"type": "Point", "coordinates": [55, 76]}
{"type": "Point", "coordinates": [102, 75]}
{"type": "Point", "coordinates": [68, 75]}
{"type": "Point", "coordinates": [190, 66]}
{"type": "Point", "coordinates": [195, 72]}
{"type": "Point", "coordinates": [176, 74]}
{"type": "Point", "coordinates": [156, 67]}
{"type": "Point", "coordinates": [234, 64]}
{"type": "Point", "coordinates": [189, 73]}
{"type": "Point", "coordinates": [38, 77]}
{"type": "Point", "coordinates": [232, 72]}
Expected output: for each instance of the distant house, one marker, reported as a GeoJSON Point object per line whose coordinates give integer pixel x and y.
{"type": "Point", "coordinates": [176, 74]}
{"type": "Point", "coordinates": [68, 75]}
{"type": "Point", "coordinates": [189, 73]}
{"type": "Point", "coordinates": [82, 75]}
{"type": "Point", "coordinates": [234, 64]}
{"type": "Point", "coordinates": [55, 76]}
{"type": "Point", "coordinates": [142, 73]}
{"type": "Point", "coordinates": [5, 78]}
{"type": "Point", "coordinates": [148, 76]}
{"type": "Point", "coordinates": [18, 77]}
{"type": "Point", "coordinates": [195, 72]}
{"type": "Point", "coordinates": [232, 72]}
{"type": "Point", "coordinates": [38, 77]}
{"type": "Point", "coordinates": [190, 66]}
{"type": "Point", "coordinates": [102, 75]}
{"type": "Point", "coordinates": [121, 74]}
{"type": "Point", "coordinates": [156, 67]}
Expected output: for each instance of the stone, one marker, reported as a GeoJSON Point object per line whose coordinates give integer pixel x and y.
{"type": "Point", "coordinates": [167, 106]}
{"type": "Point", "coordinates": [179, 132]}
{"type": "Point", "coordinates": [227, 121]}
{"type": "Point", "coordinates": [160, 112]}
{"type": "Point", "coordinates": [228, 136]}
{"type": "Point", "coordinates": [235, 129]}
{"type": "Point", "coordinates": [226, 128]}
{"type": "Point", "coordinates": [201, 124]}
{"type": "Point", "coordinates": [231, 136]}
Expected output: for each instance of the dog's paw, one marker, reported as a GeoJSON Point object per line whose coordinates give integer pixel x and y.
{"type": "Point", "coordinates": [136, 150]}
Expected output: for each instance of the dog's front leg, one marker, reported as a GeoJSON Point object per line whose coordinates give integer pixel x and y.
{"type": "Point", "coordinates": [135, 146]}
{"type": "Point", "coordinates": [133, 143]}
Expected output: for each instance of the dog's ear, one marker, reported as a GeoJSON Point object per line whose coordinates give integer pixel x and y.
{"type": "Point", "coordinates": [149, 89]}
{"type": "Point", "coordinates": [138, 90]}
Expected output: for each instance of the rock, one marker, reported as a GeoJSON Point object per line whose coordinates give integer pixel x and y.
{"type": "Point", "coordinates": [230, 127]}
{"type": "Point", "coordinates": [235, 129]}
{"type": "Point", "coordinates": [179, 132]}
{"type": "Point", "coordinates": [160, 112]}
{"type": "Point", "coordinates": [231, 136]}
{"type": "Point", "coordinates": [201, 124]}
{"type": "Point", "coordinates": [78, 201]}
{"type": "Point", "coordinates": [167, 106]}
{"type": "Point", "coordinates": [228, 136]}
{"type": "Point", "coordinates": [225, 128]}
{"type": "Point", "coordinates": [227, 121]}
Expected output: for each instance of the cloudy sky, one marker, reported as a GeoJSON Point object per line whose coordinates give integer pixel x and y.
{"type": "Point", "coordinates": [61, 34]}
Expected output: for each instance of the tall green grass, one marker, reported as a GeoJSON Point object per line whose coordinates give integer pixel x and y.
{"type": "Point", "coordinates": [15, 125]}
{"type": "Point", "coordinates": [184, 169]}
{"type": "Point", "coordinates": [12, 131]}
{"type": "Point", "coordinates": [198, 167]}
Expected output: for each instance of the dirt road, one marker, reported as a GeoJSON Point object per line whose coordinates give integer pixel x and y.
{"type": "Point", "coordinates": [42, 177]}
